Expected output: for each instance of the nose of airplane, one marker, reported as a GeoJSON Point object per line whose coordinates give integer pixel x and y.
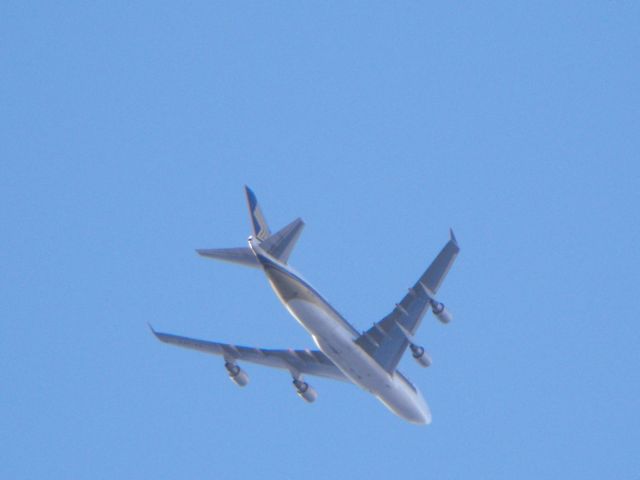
{"type": "Point", "coordinates": [426, 415]}
{"type": "Point", "coordinates": [422, 412]}
{"type": "Point", "coordinates": [411, 406]}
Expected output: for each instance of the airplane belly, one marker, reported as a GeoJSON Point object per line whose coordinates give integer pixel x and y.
{"type": "Point", "coordinates": [337, 344]}
{"type": "Point", "coordinates": [335, 338]}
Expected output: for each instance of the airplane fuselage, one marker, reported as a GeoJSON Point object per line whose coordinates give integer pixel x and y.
{"type": "Point", "coordinates": [335, 337]}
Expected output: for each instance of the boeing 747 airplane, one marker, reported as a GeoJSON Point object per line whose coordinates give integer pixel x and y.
{"type": "Point", "coordinates": [368, 359]}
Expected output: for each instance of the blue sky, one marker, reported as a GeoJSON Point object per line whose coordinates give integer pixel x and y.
{"type": "Point", "coordinates": [126, 135]}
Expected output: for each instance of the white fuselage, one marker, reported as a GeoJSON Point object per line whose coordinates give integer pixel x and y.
{"type": "Point", "coordinates": [335, 338]}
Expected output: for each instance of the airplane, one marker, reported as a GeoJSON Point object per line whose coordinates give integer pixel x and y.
{"type": "Point", "coordinates": [368, 359]}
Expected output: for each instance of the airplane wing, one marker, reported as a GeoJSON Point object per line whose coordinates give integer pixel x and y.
{"type": "Point", "coordinates": [310, 362]}
{"type": "Point", "coordinates": [387, 340]}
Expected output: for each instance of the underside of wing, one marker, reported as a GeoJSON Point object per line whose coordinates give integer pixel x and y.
{"type": "Point", "coordinates": [388, 339]}
{"type": "Point", "coordinates": [298, 362]}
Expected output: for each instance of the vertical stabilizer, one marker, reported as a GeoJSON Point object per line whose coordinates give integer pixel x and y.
{"type": "Point", "coordinates": [258, 222]}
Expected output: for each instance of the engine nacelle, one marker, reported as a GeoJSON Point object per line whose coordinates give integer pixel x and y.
{"type": "Point", "coordinates": [305, 391]}
{"type": "Point", "coordinates": [420, 355]}
{"type": "Point", "coordinates": [236, 374]}
{"type": "Point", "coordinates": [441, 312]}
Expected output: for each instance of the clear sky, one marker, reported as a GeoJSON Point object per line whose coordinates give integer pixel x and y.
{"type": "Point", "coordinates": [126, 135]}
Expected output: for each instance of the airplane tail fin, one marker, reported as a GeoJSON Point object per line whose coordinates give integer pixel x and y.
{"type": "Point", "coordinates": [258, 222]}
{"type": "Point", "coordinates": [279, 245]}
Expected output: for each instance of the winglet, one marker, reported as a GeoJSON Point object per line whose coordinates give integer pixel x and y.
{"type": "Point", "coordinates": [152, 330]}
{"type": "Point", "coordinates": [452, 236]}
{"type": "Point", "coordinates": [251, 197]}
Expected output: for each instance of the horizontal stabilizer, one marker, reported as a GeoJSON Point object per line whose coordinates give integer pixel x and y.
{"type": "Point", "coordinates": [241, 255]}
{"type": "Point", "coordinates": [280, 244]}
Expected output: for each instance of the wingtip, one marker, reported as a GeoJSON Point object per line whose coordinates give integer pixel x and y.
{"type": "Point", "coordinates": [251, 197]}
{"type": "Point", "coordinates": [452, 236]}
{"type": "Point", "coordinates": [152, 330]}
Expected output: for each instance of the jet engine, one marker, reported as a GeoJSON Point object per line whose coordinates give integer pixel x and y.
{"type": "Point", "coordinates": [441, 312]}
{"type": "Point", "coordinates": [305, 391]}
{"type": "Point", "coordinates": [420, 355]}
{"type": "Point", "coordinates": [236, 374]}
